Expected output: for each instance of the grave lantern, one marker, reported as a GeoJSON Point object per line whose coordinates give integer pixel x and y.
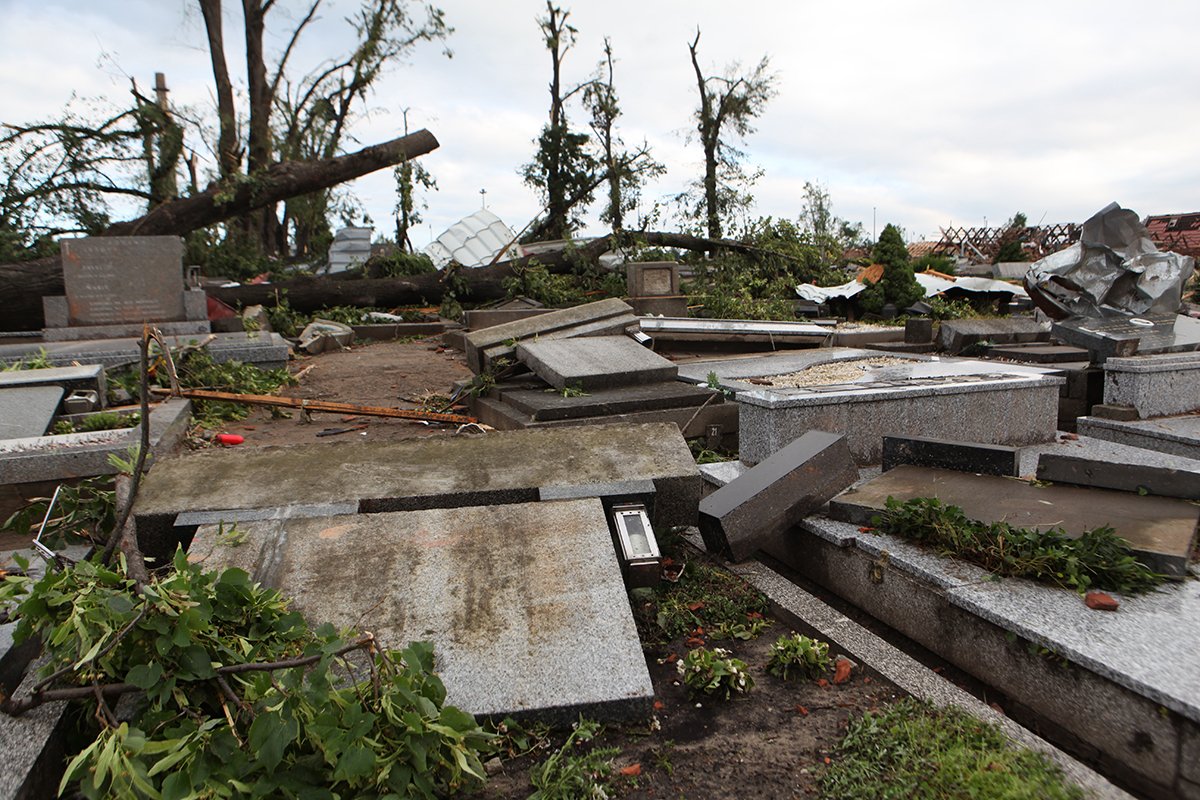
{"type": "Point", "coordinates": [640, 557]}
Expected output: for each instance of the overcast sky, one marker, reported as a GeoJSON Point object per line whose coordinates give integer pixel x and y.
{"type": "Point", "coordinates": [925, 113]}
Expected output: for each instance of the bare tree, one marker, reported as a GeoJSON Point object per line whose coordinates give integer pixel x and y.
{"type": "Point", "coordinates": [624, 171]}
{"type": "Point", "coordinates": [562, 169]}
{"type": "Point", "coordinates": [728, 104]}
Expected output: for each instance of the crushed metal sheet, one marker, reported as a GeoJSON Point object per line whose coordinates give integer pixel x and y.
{"type": "Point", "coordinates": [1114, 270]}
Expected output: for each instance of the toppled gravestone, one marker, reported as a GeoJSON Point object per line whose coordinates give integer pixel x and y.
{"type": "Point", "coordinates": [775, 494]}
{"type": "Point", "coordinates": [444, 472]}
{"type": "Point", "coordinates": [524, 604]}
{"type": "Point", "coordinates": [977, 457]}
{"type": "Point", "coordinates": [956, 335]}
{"type": "Point", "coordinates": [602, 318]}
{"type": "Point", "coordinates": [595, 362]}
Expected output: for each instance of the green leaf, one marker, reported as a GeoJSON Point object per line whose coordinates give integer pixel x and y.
{"type": "Point", "coordinates": [195, 661]}
{"type": "Point", "coordinates": [356, 762]}
{"type": "Point", "coordinates": [145, 676]}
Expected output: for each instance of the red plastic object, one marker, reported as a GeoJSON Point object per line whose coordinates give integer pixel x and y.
{"type": "Point", "coordinates": [228, 439]}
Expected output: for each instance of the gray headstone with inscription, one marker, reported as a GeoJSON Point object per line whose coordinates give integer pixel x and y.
{"type": "Point", "coordinates": [114, 284]}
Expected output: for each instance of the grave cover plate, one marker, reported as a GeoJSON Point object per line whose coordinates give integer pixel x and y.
{"type": "Point", "coordinates": [524, 604]}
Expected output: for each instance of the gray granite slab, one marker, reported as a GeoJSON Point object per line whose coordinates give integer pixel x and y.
{"type": "Point", "coordinates": [1179, 436]}
{"type": "Point", "coordinates": [1157, 386]}
{"type": "Point", "coordinates": [27, 410]}
{"type": "Point", "coordinates": [542, 404]}
{"type": "Point", "coordinates": [720, 473]}
{"type": "Point", "coordinates": [524, 604]}
{"type": "Point", "coordinates": [263, 349]}
{"type": "Point", "coordinates": [1161, 530]}
{"type": "Point", "coordinates": [123, 279]}
{"type": "Point", "coordinates": [607, 316]}
{"type": "Point", "coordinates": [1081, 446]}
{"type": "Point", "coordinates": [595, 362]}
{"type": "Point", "coordinates": [70, 378]}
{"type": "Point", "coordinates": [1149, 645]}
{"type": "Point", "coordinates": [504, 467]}
{"type": "Point", "coordinates": [81, 455]}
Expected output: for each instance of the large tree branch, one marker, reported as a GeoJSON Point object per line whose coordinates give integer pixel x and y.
{"type": "Point", "coordinates": [23, 285]}
{"type": "Point", "coordinates": [278, 182]}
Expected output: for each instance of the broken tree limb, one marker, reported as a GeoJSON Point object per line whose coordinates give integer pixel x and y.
{"type": "Point", "coordinates": [277, 182]}
{"type": "Point", "coordinates": [23, 285]}
{"type": "Point", "coordinates": [326, 406]}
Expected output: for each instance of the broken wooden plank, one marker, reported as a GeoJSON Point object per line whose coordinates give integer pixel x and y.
{"type": "Point", "coordinates": [326, 406]}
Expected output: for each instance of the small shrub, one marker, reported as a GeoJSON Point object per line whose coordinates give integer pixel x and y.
{"type": "Point", "coordinates": [801, 654]}
{"type": "Point", "coordinates": [714, 671]}
{"type": "Point", "coordinates": [705, 597]}
{"type": "Point", "coordinates": [400, 264]}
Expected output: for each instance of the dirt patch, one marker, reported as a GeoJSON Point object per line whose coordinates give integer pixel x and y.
{"type": "Point", "coordinates": [770, 743]}
{"type": "Point", "coordinates": [396, 374]}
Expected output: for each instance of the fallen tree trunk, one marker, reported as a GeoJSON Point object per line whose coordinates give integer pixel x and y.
{"type": "Point", "coordinates": [276, 183]}
{"type": "Point", "coordinates": [476, 285]}
{"type": "Point", "coordinates": [308, 294]}
{"type": "Point", "coordinates": [23, 285]}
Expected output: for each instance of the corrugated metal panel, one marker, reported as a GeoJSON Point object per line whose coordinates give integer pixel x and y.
{"type": "Point", "coordinates": [473, 241]}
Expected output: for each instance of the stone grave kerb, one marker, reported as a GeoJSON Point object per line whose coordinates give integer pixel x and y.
{"type": "Point", "coordinates": [116, 284]}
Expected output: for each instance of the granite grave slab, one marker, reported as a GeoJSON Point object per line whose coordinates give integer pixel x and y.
{"type": "Point", "coordinates": [524, 603]}
{"type": "Point", "coordinates": [956, 335]}
{"type": "Point", "coordinates": [500, 468]}
{"type": "Point", "coordinates": [27, 410]}
{"type": "Point", "coordinates": [263, 349]}
{"type": "Point", "coordinates": [1132, 691]}
{"type": "Point", "coordinates": [986, 459]}
{"type": "Point", "coordinates": [542, 404]}
{"type": "Point", "coordinates": [1178, 435]}
{"type": "Point", "coordinates": [1160, 530]}
{"type": "Point", "coordinates": [865, 395]}
{"type": "Point", "coordinates": [603, 317]}
{"type": "Point", "coordinates": [1156, 385]}
{"type": "Point", "coordinates": [596, 362]}
{"type": "Point", "coordinates": [114, 284]}
{"type": "Point", "coordinates": [88, 377]}
{"type": "Point", "coordinates": [768, 499]}
{"type": "Point", "coordinates": [80, 455]}
{"type": "Point", "coordinates": [1130, 476]}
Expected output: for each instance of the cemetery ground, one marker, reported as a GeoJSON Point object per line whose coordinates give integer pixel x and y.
{"type": "Point", "coordinates": [776, 741]}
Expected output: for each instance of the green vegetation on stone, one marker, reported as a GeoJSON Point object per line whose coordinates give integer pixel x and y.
{"type": "Point", "coordinates": [913, 751]}
{"type": "Point", "coordinates": [1098, 558]}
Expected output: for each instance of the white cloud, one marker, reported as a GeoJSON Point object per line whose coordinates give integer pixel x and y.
{"type": "Point", "coordinates": [925, 112]}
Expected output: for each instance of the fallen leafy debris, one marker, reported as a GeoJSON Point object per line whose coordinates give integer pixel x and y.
{"type": "Point", "coordinates": [1098, 557]}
